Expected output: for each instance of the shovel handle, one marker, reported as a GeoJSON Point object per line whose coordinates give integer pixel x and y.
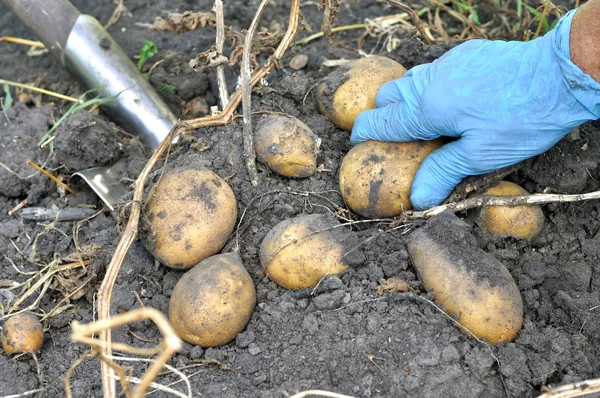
{"type": "Point", "coordinates": [50, 20]}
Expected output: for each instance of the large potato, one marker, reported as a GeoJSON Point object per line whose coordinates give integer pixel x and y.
{"type": "Point", "coordinates": [188, 216]}
{"type": "Point", "coordinates": [22, 333]}
{"type": "Point", "coordinates": [297, 253]}
{"type": "Point", "coordinates": [522, 221]}
{"type": "Point", "coordinates": [352, 88]}
{"type": "Point", "coordinates": [472, 285]}
{"type": "Point", "coordinates": [286, 145]}
{"type": "Point", "coordinates": [375, 177]}
{"type": "Point", "coordinates": [213, 301]}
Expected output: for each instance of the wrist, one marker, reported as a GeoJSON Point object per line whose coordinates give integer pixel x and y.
{"type": "Point", "coordinates": [581, 84]}
{"type": "Point", "coordinates": [585, 39]}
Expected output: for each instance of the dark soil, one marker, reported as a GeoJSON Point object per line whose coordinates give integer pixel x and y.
{"type": "Point", "coordinates": [344, 337]}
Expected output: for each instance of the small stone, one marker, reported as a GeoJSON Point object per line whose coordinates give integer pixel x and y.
{"type": "Point", "coordinates": [10, 229]}
{"type": "Point", "coordinates": [196, 352]}
{"type": "Point", "coordinates": [310, 324]}
{"type": "Point", "coordinates": [244, 339]}
{"type": "Point", "coordinates": [299, 61]}
{"type": "Point", "coordinates": [246, 363]}
{"type": "Point", "coordinates": [254, 349]}
{"type": "Point", "coordinates": [450, 354]}
{"type": "Point", "coordinates": [330, 301]}
{"type": "Point", "coordinates": [261, 378]}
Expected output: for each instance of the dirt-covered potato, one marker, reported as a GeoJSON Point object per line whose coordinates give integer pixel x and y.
{"type": "Point", "coordinates": [472, 285]}
{"type": "Point", "coordinates": [351, 88]}
{"type": "Point", "coordinates": [286, 145]}
{"type": "Point", "coordinates": [22, 333]}
{"type": "Point", "coordinates": [297, 253]}
{"type": "Point", "coordinates": [375, 177]}
{"type": "Point", "coordinates": [213, 301]}
{"type": "Point", "coordinates": [188, 216]}
{"type": "Point", "coordinates": [522, 221]}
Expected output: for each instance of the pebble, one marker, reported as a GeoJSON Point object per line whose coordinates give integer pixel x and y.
{"type": "Point", "coordinates": [329, 301]}
{"type": "Point", "coordinates": [254, 349]}
{"type": "Point", "coordinates": [299, 61]}
{"type": "Point", "coordinates": [196, 352]}
{"type": "Point", "coordinates": [244, 339]}
{"type": "Point", "coordinates": [310, 324]}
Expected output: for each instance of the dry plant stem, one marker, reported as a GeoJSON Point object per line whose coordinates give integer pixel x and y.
{"type": "Point", "coordinates": [18, 207]}
{"type": "Point", "coordinates": [40, 90]}
{"type": "Point", "coordinates": [246, 74]}
{"type": "Point", "coordinates": [130, 232]}
{"type": "Point", "coordinates": [319, 393]}
{"type": "Point", "coordinates": [222, 83]}
{"type": "Point", "coordinates": [50, 176]}
{"type": "Point", "coordinates": [413, 16]}
{"type": "Point", "coordinates": [484, 200]}
{"type": "Point", "coordinates": [573, 390]}
{"type": "Point", "coordinates": [169, 345]}
{"type": "Point", "coordinates": [25, 42]}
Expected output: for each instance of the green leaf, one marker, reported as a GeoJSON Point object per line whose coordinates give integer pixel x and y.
{"type": "Point", "coordinates": [168, 88]}
{"type": "Point", "coordinates": [148, 51]}
{"type": "Point", "coordinates": [8, 99]}
{"type": "Point", "coordinates": [75, 107]}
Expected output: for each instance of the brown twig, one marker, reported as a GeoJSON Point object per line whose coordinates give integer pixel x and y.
{"type": "Point", "coordinates": [50, 176]}
{"type": "Point", "coordinates": [130, 231]}
{"type": "Point", "coordinates": [168, 346]}
{"type": "Point", "coordinates": [573, 390]}
{"type": "Point", "coordinates": [18, 207]}
{"type": "Point", "coordinates": [220, 41]}
{"type": "Point", "coordinates": [413, 15]}
{"type": "Point", "coordinates": [485, 200]}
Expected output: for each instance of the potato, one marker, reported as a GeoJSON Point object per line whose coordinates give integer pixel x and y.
{"type": "Point", "coordinates": [297, 253]}
{"type": "Point", "coordinates": [522, 221]}
{"type": "Point", "coordinates": [286, 145]}
{"type": "Point", "coordinates": [188, 216]}
{"type": "Point", "coordinates": [352, 88]}
{"type": "Point", "coordinates": [22, 333]}
{"type": "Point", "coordinates": [213, 301]}
{"type": "Point", "coordinates": [472, 285]}
{"type": "Point", "coordinates": [375, 177]}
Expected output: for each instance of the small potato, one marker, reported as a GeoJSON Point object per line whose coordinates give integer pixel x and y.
{"type": "Point", "coordinates": [352, 88]}
{"type": "Point", "coordinates": [522, 221]}
{"type": "Point", "coordinates": [286, 145]}
{"type": "Point", "coordinates": [213, 301]}
{"type": "Point", "coordinates": [297, 253]}
{"type": "Point", "coordinates": [188, 216]}
{"type": "Point", "coordinates": [472, 285]}
{"type": "Point", "coordinates": [22, 333]}
{"type": "Point", "coordinates": [375, 177]}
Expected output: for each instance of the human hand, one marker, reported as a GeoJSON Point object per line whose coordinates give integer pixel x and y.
{"type": "Point", "coordinates": [504, 101]}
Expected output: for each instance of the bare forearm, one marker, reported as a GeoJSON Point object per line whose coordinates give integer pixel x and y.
{"type": "Point", "coordinates": [585, 39]}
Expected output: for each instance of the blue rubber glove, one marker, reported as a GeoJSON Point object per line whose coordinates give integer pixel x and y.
{"type": "Point", "coordinates": [504, 101]}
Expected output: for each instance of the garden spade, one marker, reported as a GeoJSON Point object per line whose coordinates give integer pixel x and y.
{"type": "Point", "coordinates": [84, 47]}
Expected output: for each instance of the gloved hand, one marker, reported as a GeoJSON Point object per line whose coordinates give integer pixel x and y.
{"type": "Point", "coordinates": [504, 101]}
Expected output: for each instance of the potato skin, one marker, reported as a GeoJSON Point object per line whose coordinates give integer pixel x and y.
{"type": "Point", "coordinates": [286, 145]}
{"type": "Point", "coordinates": [352, 88]}
{"type": "Point", "coordinates": [295, 255]}
{"type": "Point", "coordinates": [188, 216]}
{"type": "Point", "coordinates": [22, 333]}
{"type": "Point", "coordinates": [522, 221]}
{"type": "Point", "coordinates": [472, 286]}
{"type": "Point", "coordinates": [375, 177]}
{"type": "Point", "coordinates": [213, 301]}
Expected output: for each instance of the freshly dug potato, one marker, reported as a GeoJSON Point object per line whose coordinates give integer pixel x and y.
{"type": "Point", "coordinates": [213, 301]}
{"type": "Point", "coordinates": [375, 177]}
{"type": "Point", "coordinates": [22, 333]}
{"type": "Point", "coordinates": [472, 285]}
{"type": "Point", "coordinates": [286, 145]}
{"type": "Point", "coordinates": [522, 221]}
{"type": "Point", "coordinates": [188, 217]}
{"type": "Point", "coordinates": [297, 253]}
{"type": "Point", "coordinates": [352, 88]}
